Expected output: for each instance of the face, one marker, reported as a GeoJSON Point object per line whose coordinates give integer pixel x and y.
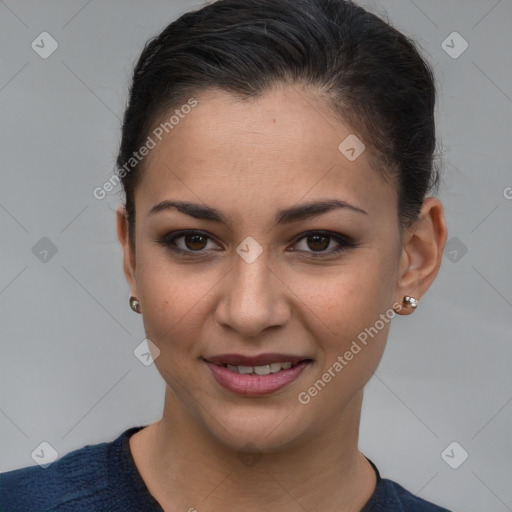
{"type": "Point", "coordinates": [286, 251]}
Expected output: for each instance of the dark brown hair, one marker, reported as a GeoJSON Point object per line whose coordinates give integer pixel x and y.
{"type": "Point", "coordinates": [373, 75]}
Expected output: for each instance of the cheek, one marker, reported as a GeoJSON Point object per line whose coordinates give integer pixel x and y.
{"type": "Point", "coordinates": [173, 300]}
{"type": "Point", "coordinates": [350, 297]}
{"type": "Point", "coordinates": [173, 315]}
{"type": "Point", "coordinates": [348, 313]}
{"type": "Point", "coordinates": [349, 321]}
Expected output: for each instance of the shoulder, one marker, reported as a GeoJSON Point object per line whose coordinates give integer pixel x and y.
{"type": "Point", "coordinates": [76, 481]}
{"type": "Point", "coordinates": [70, 478]}
{"type": "Point", "coordinates": [390, 495]}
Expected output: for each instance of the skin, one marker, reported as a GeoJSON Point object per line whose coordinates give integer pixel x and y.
{"type": "Point", "coordinates": [249, 159]}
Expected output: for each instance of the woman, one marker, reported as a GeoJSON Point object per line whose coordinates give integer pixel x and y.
{"type": "Point", "coordinates": [277, 163]}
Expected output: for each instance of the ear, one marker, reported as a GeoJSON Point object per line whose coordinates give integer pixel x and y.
{"type": "Point", "coordinates": [422, 252]}
{"type": "Point", "coordinates": [128, 254]}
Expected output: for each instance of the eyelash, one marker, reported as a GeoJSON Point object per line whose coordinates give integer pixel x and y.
{"type": "Point", "coordinates": [344, 242]}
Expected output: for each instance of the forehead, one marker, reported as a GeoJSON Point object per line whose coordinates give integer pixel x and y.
{"type": "Point", "coordinates": [278, 148]}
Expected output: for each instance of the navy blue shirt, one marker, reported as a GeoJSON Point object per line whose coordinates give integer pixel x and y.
{"type": "Point", "coordinates": [103, 478]}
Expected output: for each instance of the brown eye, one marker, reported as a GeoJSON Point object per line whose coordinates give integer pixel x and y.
{"type": "Point", "coordinates": [318, 242]}
{"type": "Point", "coordinates": [195, 242]}
{"type": "Point", "coordinates": [191, 243]}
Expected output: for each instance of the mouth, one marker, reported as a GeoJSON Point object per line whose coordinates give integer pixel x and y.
{"type": "Point", "coordinates": [256, 375]}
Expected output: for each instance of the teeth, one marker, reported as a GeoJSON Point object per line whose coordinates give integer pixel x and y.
{"type": "Point", "coordinates": [262, 369]}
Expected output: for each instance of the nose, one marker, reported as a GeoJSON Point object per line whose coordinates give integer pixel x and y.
{"type": "Point", "coordinates": [253, 298]}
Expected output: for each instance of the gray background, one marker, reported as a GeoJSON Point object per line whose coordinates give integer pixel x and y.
{"type": "Point", "coordinates": [68, 372]}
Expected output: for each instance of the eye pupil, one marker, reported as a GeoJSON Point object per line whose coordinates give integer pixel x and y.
{"type": "Point", "coordinates": [322, 240]}
{"type": "Point", "coordinates": [196, 239]}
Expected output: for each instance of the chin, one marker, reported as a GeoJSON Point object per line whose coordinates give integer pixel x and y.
{"type": "Point", "coordinates": [257, 430]}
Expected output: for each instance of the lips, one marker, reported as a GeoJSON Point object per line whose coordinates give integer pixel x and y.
{"type": "Point", "coordinates": [256, 375]}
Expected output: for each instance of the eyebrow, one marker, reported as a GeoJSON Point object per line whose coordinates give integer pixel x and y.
{"type": "Point", "coordinates": [288, 215]}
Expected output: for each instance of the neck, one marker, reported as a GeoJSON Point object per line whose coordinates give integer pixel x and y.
{"type": "Point", "coordinates": [186, 468]}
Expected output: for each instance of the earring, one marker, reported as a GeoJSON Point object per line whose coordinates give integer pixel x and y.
{"type": "Point", "coordinates": [410, 302]}
{"type": "Point", "coordinates": [135, 304]}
